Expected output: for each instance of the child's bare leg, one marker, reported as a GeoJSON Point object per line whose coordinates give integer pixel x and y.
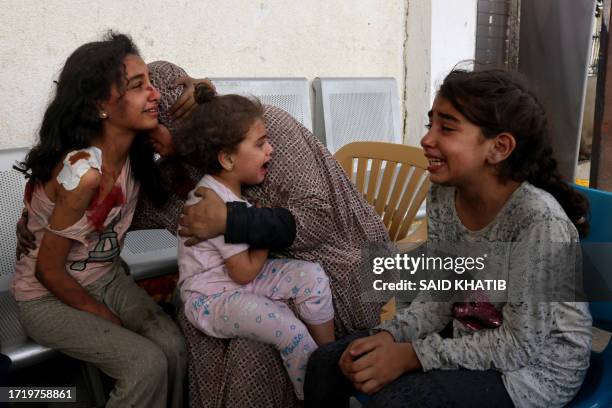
{"type": "Point", "coordinates": [322, 333]}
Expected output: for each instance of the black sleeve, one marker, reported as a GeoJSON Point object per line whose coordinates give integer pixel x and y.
{"type": "Point", "coordinates": [272, 228]}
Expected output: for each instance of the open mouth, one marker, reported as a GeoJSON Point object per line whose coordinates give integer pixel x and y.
{"type": "Point", "coordinates": [264, 168]}
{"type": "Point", "coordinates": [434, 163]}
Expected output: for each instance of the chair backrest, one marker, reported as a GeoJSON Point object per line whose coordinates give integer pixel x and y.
{"type": "Point", "coordinates": [392, 177]}
{"type": "Point", "coordinates": [289, 94]}
{"type": "Point", "coordinates": [597, 252]}
{"type": "Point", "coordinates": [12, 185]}
{"type": "Point", "coordinates": [356, 109]}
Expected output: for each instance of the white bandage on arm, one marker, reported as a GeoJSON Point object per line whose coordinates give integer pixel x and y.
{"type": "Point", "coordinates": [71, 173]}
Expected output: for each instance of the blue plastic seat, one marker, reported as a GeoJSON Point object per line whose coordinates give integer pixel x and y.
{"type": "Point", "coordinates": [597, 249]}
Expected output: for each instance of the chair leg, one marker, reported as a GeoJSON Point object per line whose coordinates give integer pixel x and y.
{"type": "Point", "coordinates": [94, 383]}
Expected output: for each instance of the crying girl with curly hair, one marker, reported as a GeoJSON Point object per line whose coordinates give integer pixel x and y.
{"type": "Point", "coordinates": [233, 290]}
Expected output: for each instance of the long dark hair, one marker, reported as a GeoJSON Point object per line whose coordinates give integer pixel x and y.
{"type": "Point", "coordinates": [500, 101]}
{"type": "Point", "coordinates": [72, 119]}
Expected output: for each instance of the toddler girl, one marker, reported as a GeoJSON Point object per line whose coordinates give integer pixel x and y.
{"type": "Point", "coordinates": [231, 290]}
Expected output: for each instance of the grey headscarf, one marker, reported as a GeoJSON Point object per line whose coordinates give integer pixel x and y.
{"type": "Point", "coordinates": [163, 74]}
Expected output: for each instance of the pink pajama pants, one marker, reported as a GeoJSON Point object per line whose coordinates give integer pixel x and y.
{"type": "Point", "coordinates": [257, 311]}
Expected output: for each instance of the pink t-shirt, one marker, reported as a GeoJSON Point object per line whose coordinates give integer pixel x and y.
{"type": "Point", "coordinates": [98, 235]}
{"type": "Point", "coordinates": [202, 266]}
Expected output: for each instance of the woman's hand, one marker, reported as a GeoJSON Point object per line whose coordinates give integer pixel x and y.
{"type": "Point", "coordinates": [205, 219]}
{"type": "Point", "coordinates": [186, 102]}
{"type": "Point", "coordinates": [25, 239]}
{"type": "Point", "coordinates": [376, 361]}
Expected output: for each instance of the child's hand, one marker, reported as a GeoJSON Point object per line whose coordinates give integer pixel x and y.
{"type": "Point", "coordinates": [346, 363]}
{"type": "Point", "coordinates": [356, 349]}
{"type": "Point", "coordinates": [379, 361]}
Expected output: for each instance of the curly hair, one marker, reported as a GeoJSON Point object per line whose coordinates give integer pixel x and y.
{"type": "Point", "coordinates": [500, 101]}
{"type": "Point", "coordinates": [71, 120]}
{"type": "Point", "coordinates": [218, 124]}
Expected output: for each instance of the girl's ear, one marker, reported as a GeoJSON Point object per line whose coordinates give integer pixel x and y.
{"type": "Point", "coordinates": [503, 145]}
{"type": "Point", "coordinates": [226, 160]}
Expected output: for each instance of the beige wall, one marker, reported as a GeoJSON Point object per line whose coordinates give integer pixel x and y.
{"type": "Point", "coordinates": [440, 34]}
{"type": "Point", "coordinates": [209, 38]}
{"type": "Point", "coordinates": [418, 68]}
{"type": "Point", "coordinates": [246, 38]}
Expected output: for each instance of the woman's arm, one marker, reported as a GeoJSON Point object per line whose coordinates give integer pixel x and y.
{"type": "Point", "coordinates": [245, 266]}
{"type": "Point", "coordinates": [258, 227]}
{"type": "Point", "coordinates": [51, 264]}
{"type": "Point", "coordinates": [272, 228]}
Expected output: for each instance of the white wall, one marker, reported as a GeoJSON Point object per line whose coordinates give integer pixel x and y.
{"type": "Point", "coordinates": [441, 34]}
{"type": "Point", "coordinates": [214, 38]}
{"type": "Point", "coordinates": [417, 56]}
{"type": "Point", "coordinates": [453, 37]}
